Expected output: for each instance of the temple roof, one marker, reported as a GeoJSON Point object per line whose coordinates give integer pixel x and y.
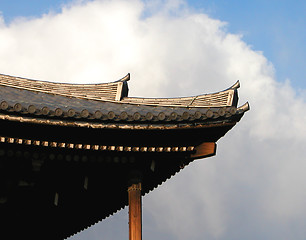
{"type": "Point", "coordinates": [117, 92]}
{"type": "Point", "coordinates": [62, 145]}
{"type": "Point", "coordinates": [108, 103]}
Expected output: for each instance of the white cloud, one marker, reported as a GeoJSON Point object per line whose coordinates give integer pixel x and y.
{"type": "Point", "coordinates": [254, 188]}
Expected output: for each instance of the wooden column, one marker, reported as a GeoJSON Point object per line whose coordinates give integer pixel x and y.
{"type": "Point", "coordinates": [135, 212]}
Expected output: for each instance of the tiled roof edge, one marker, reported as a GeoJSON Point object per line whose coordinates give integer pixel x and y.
{"type": "Point", "coordinates": [123, 116]}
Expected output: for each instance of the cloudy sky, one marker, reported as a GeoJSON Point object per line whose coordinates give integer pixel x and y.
{"type": "Point", "coordinates": [255, 188]}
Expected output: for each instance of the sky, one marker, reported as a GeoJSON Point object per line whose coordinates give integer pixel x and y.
{"type": "Point", "coordinates": [254, 188]}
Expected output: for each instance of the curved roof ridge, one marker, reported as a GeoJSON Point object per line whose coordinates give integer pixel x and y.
{"type": "Point", "coordinates": [111, 91]}
{"type": "Point", "coordinates": [118, 92]}
{"type": "Point", "coordinates": [223, 98]}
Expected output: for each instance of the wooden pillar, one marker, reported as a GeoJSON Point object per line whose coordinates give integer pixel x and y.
{"type": "Point", "coordinates": [135, 211]}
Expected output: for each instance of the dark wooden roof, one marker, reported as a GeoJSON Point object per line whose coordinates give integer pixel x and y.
{"type": "Point", "coordinates": [67, 150]}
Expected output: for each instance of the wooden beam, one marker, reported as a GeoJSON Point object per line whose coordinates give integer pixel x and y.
{"type": "Point", "coordinates": [205, 149]}
{"type": "Point", "coordinates": [135, 212]}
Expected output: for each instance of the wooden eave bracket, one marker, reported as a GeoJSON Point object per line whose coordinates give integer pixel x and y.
{"type": "Point", "coordinates": [205, 149]}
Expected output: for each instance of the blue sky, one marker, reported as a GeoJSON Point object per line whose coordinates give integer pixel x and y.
{"type": "Point", "coordinates": [275, 27]}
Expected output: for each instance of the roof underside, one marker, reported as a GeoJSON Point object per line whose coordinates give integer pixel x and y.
{"type": "Point", "coordinates": [53, 193]}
